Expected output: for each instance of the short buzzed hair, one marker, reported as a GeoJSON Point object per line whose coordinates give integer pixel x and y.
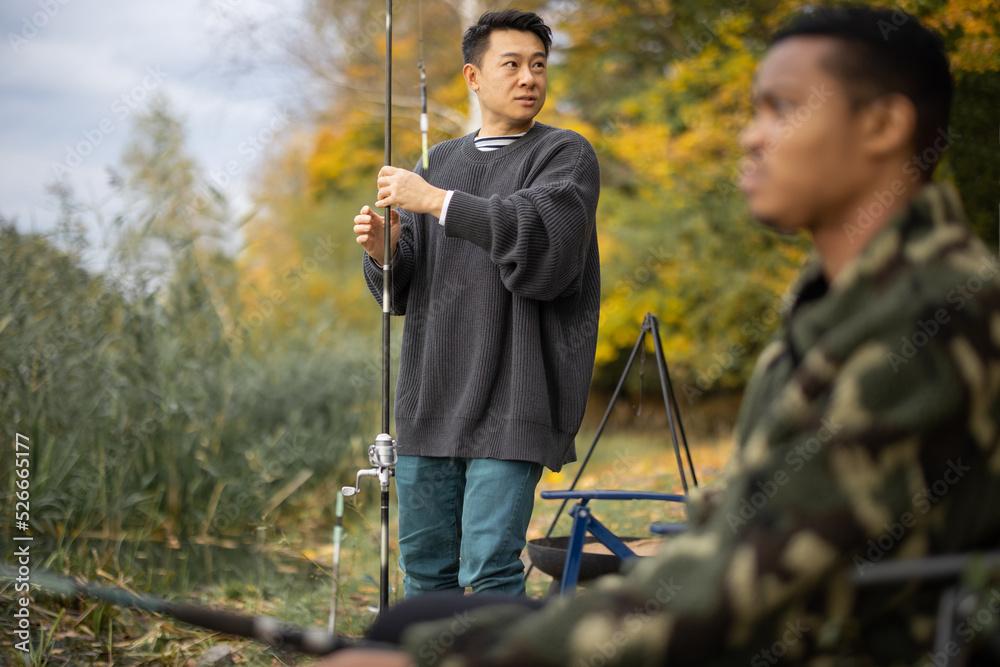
{"type": "Point", "coordinates": [885, 51]}
{"type": "Point", "coordinates": [477, 37]}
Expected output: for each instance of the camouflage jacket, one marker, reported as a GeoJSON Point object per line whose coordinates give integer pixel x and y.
{"type": "Point", "coordinates": [868, 432]}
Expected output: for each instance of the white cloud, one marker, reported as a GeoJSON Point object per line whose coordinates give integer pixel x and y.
{"type": "Point", "coordinates": [59, 86]}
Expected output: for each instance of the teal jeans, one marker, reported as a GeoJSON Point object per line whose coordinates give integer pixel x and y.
{"type": "Point", "coordinates": [462, 523]}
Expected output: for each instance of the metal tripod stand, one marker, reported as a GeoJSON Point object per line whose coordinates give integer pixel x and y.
{"type": "Point", "coordinates": [650, 326]}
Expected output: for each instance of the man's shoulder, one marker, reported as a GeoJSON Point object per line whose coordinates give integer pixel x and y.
{"type": "Point", "coordinates": [931, 283]}
{"type": "Point", "coordinates": [925, 281]}
{"type": "Point", "coordinates": [928, 249]}
{"type": "Point", "coordinates": [560, 146]}
{"type": "Point", "coordinates": [559, 135]}
{"type": "Point", "coordinates": [943, 253]}
{"type": "Point", "coordinates": [944, 273]}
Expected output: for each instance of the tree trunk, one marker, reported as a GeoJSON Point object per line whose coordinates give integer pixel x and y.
{"type": "Point", "coordinates": [470, 11]}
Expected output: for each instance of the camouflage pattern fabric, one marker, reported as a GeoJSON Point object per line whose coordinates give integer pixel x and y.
{"type": "Point", "coordinates": [868, 432]}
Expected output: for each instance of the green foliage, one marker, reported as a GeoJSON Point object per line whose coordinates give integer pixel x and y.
{"type": "Point", "coordinates": [661, 89]}
{"type": "Point", "coordinates": [141, 415]}
{"type": "Point", "coordinates": [149, 416]}
{"type": "Point", "coordinates": [676, 237]}
{"type": "Point", "coordinates": [972, 158]}
{"type": "Point", "coordinates": [665, 87]}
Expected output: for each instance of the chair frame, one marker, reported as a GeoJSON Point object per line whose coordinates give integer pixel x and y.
{"type": "Point", "coordinates": [585, 522]}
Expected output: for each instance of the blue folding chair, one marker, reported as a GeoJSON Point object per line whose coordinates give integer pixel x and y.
{"type": "Point", "coordinates": [585, 522]}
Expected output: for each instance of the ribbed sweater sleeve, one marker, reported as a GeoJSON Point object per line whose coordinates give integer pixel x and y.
{"type": "Point", "coordinates": [538, 236]}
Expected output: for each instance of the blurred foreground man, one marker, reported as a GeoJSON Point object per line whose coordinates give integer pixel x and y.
{"type": "Point", "coordinates": [869, 429]}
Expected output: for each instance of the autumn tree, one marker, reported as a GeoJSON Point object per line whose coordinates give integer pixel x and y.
{"type": "Point", "coordinates": [661, 89]}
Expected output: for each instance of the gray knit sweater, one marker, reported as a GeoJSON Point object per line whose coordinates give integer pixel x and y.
{"type": "Point", "coordinates": [501, 304]}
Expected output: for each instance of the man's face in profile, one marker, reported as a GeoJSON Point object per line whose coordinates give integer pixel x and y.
{"type": "Point", "coordinates": [804, 165]}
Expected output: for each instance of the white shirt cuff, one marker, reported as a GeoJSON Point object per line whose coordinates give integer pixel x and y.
{"type": "Point", "coordinates": [444, 207]}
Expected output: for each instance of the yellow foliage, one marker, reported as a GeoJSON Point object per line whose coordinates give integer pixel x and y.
{"type": "Point", "coordinates": [674, 234]}
{"type": "Point", "coordinates": [977, 24]}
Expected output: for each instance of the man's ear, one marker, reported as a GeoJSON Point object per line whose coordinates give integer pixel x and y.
{"type": "Point", "coordinates": [471, 74]}
{"type": "Point", "coordinates": [888, 125]}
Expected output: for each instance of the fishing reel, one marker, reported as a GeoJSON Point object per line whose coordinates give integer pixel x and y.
{"type": "Point", "coordinates": [382, 457]}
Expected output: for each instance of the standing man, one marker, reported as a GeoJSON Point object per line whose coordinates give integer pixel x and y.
{"type": "Point", "coordinates": [496, 267]}
{"type": "Point", "coordinates": [870, 430]}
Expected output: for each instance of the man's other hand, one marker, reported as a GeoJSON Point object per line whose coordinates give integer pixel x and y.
{"type": "Point", "coordinates": [369, 226]}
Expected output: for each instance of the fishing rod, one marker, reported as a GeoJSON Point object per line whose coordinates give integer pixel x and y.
{"type": "Point", "coordinates": [338, 534]}
{"type": "Point", "coordinates": [382, 455]}
{"type": "Point", "coordinates": [424, 123]}
{"type": "Point", "coordinates": [260, 628]}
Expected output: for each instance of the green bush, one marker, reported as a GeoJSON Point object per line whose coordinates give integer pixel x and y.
{"type": "Point", "coordinates": [145, 420]}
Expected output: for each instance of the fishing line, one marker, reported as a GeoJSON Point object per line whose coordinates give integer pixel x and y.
{"type": "Point", "coordinates": [424, 123]}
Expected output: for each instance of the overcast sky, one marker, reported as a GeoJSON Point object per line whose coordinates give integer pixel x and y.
{"type": "Point", "coordinates": [74, 72]}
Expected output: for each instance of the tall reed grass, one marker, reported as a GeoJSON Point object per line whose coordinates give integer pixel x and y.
{"type": "Point", "coordinates": [146, 421]}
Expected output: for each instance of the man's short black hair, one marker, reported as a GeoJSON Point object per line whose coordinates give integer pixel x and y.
{"type": "Point", "coordinates": [886, 51]}
{"type": "Point", "coordinates": [477, 37]}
